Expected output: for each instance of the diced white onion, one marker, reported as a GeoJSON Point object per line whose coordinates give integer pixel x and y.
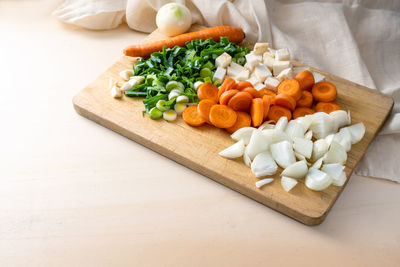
{"type": "Point", "coordinates": [321, 125]}
{"type": "Point", "coordinates": [264, 182]}
{"type": "Point", "coordinates": [320, 147]}
{"type": "Point", "coordinates": [281, 123]}
{"type": "Point", "coordinates": [296, 170]}
{"type": "Point", "coordinates": [257, 144]}
{"type": "Point", "coordinates": [234, 151]}
{"type": "Point", "coordinates": [308, 135]}
{"type": "Point", "coordinates": [357, 132]}
{"type": "Point", "coordinates": [288, 183]}
{"type": "Point", "coordinates": [267, 125]}
{"type": "Point", "coordinates": [336, 154]}
{"type": "Point", "coordinates": [299, 156]}
{"type": "Point", "coordinates": [343, 137]}
{"type": "Point", "coordinates": [243, 133]}
{"type": "Point", "coordinates": [305, 122]}
{"type": "Point", "coordinates": [275, 136]}
{"type": "Point", "coordinates": [246, 159]}
{"type": "Point", "coordinates": [340, 118]}
{"type": "Point", "coordinates": [303, 146]}
{"type": "Point", "coordinates": [329, 139]}
{"type": "Point", "coordinates": [263, 165]}
{"type": "Point", "coordinates": [317, 180]}
{"type": "Point", "coordinates": [318, 163]}
{"type": "Point", "coordinates": [335, 171]}
{"type": "Point", "coordinates": [283, 154]}
{"type": "Point", "coordinates": [294, 129]}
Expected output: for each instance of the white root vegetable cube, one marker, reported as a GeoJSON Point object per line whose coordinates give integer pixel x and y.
{"type": "Point", "coordinates": [262, 72]}
{"type": "Point", "coordinates": [259, 86]}
{"type": "Point", "coordinates": [235, 69]}
{"type": "Point", "coordinates": [253, 80]}
{"type": "Point", "coordinates": [223, 60]}
{"type": "Point", "coordinates": [282, 54]}
{"type": "Point", "coordinates": [318, 77]}
{"type": "Point", "coordinates": [260, 48]}
{"type": "Point", "coordinates": [285, 74]}
{"type": "Point", "coordinates": [272, 83]}
{"type": "Point", "coordinates": [219, 74]}
{"type": "Point", "coordinates": [251, 60]}
{"type": "Point", "coordinates": [268, 60]}
{"type": "Point", "coordinates": [270, 52]}
{"type": "Point", "coordinates": [279, 66]}
{"type": "Point", "coordinates": [116, 92]}
{"type": "Point", "coordinates": [243, 75]}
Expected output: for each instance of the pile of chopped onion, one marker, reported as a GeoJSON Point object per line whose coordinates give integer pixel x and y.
{"type": "Point", "coordinates": [313, 147]}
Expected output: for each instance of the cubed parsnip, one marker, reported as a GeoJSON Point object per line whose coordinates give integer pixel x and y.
{"type": "Point", "coordinates": [235, 69]}
{"type": "Point", "coordinates": [219, 74]}
{"type": "Point", "coordinates": [260, 48]}
{"type": "Point", "coordinates": [272, 83]}
{"type": "Point", "coordinates": [285, 74]}
{"type": "Point", "coordinates": [253, 79]}
{"type": "Point", "coordinates": [223, 60]}
{"type": "Point", "coordinates": [280, 66]}
{"type": "Point", "coordinates": [262, 72]}
{"type": "Point", "coordinates": [282, 54]}
{"type": "Point", "coordinates": [259, 86]}
{"type": "Point", "coordinates": [268, 60]}
{"type": "Point", "coordinates": [252, 61]}
{"type": "Point", "coordinates": [270, 52]}
{"type": "Point", "coordinates": [243, 75]}
{"type": "Point", "coordinates": [318, 77]}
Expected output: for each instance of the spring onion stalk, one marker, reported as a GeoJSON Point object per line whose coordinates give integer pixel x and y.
{"type": "Point", "coordinates": [155, 113]}
{"type": "Point", "coordinates": [169, 115]}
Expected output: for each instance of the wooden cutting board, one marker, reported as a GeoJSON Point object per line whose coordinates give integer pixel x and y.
{"type": "Point", "coordinates": [197, 148]}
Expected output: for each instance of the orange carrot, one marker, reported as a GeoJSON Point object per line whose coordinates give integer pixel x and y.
{"type": "Point", "coordinates": [208, 91]}
{"type": "Point", "coordinates": [275, 112]}
{"type": "Point", "coordinates": [257, 111]}
{"type": "Point", "coordinates": [203, 108]}
{"type": "Point", "coordinates": [225, 86]}
{"type": "Point", "coordinates": [243, 120]}
{"type": "Point", "coordinates": [222, 116]}
{"type": "Point", "coordinates": [285, 101]}
{"type": "Point", "coordinates": [291, 88]}
{"type": "Point", "coordinates": [326, 107]}
{"type": "Point", "coordinates": [234, 34]}
{"type": "Point", "coordinates": [302, 111]}
{"type": "Point", "coordinates": [226, 96]}
{"type": "Point", "coordinates": [241, 101]}
{"type": "Point", "coordinates": [267, 100]}
{"type": "Point", "coordinates": [243, 84]}
{"type": "Point", "coordinates": [252, 91]}
{"type": "Point", "coordinates": [305, 79]}
{"type": "Point", "coordinates": [324, 91]}
{"type": "Point", "coordinates": [192, 117]}
{"type": "Point", "coordinates": [305, 100]}
{"type": "Point", "coordinates": [268, 92]}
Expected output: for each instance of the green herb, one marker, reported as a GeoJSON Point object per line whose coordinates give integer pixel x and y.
{"type": "Point", "coordinates": [180, 67]}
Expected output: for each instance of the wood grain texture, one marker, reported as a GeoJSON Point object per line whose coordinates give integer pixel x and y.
{"type": "Point", "coordinates": [197, 148]}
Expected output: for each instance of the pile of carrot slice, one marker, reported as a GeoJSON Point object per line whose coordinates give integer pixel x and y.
{"type": "Point", "coordinates": [236, 105]}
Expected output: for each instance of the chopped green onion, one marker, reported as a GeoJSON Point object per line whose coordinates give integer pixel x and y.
{"type": "Point", "coordinates": [161, 105]}
{"type": "Point", "coordinates": [155, 113]}
{"type": "Point", "coordinates": [206, 72]}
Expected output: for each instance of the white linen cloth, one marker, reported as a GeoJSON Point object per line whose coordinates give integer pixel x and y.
{"type": "Point", "coordinates": [358, 40]}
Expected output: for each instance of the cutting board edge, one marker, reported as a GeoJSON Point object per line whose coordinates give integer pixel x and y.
{"type": "Point", "coordinates": [309, 220]}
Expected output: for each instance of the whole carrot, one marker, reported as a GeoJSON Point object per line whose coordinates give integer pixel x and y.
{"type": "Point", "coordinates": [234, 34]}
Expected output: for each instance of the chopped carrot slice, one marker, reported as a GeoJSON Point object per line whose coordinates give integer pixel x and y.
{"type": "Point", "coordinates": [208, 91]}
{"type": "Point", "coordinates": [305, 79]}
{"type": "Point", "coordinates": [285, 101]}
{"type": "Point", "coordinates": [226, 96]}
{"type": "Point", "coordinates": [192, 117]}
{"type": "Point", "coordinates": [241, 101]}
{"type": "Point", "coordinates": [324, 91]}
{"type": "Point", "coordinates": [302, 111]}
{"type": "Point", "coordinates": [326, 107]}
{"type": "Point", "coordinates": [243, 120]}
{"type": "Point", "coordinates": [257, 111]}
{"type": "Point", "coordinates": [244, 84]}
{"type": "Point", "coordinates": [268, 92]}
{"type": "Point", "coordinates": [222, 116]}
{"type": "Point", "coordinates": [306, 100]}
{"type": "Point", "coordinates": [267, 100]}
{"type": "Point", "coordinates": [276, 112]}
{"type": "Point", "coordinates": [203, 108]}
{"type": "Point", "coordinates": [252, 91]}
{"type": "Point", "coordinates": [225, 86]}
{"type": "Point", "coordinates": [290, 87]}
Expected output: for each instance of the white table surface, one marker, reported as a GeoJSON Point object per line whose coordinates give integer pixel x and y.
{"type": "Point", "coordinates": [73, 193]}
